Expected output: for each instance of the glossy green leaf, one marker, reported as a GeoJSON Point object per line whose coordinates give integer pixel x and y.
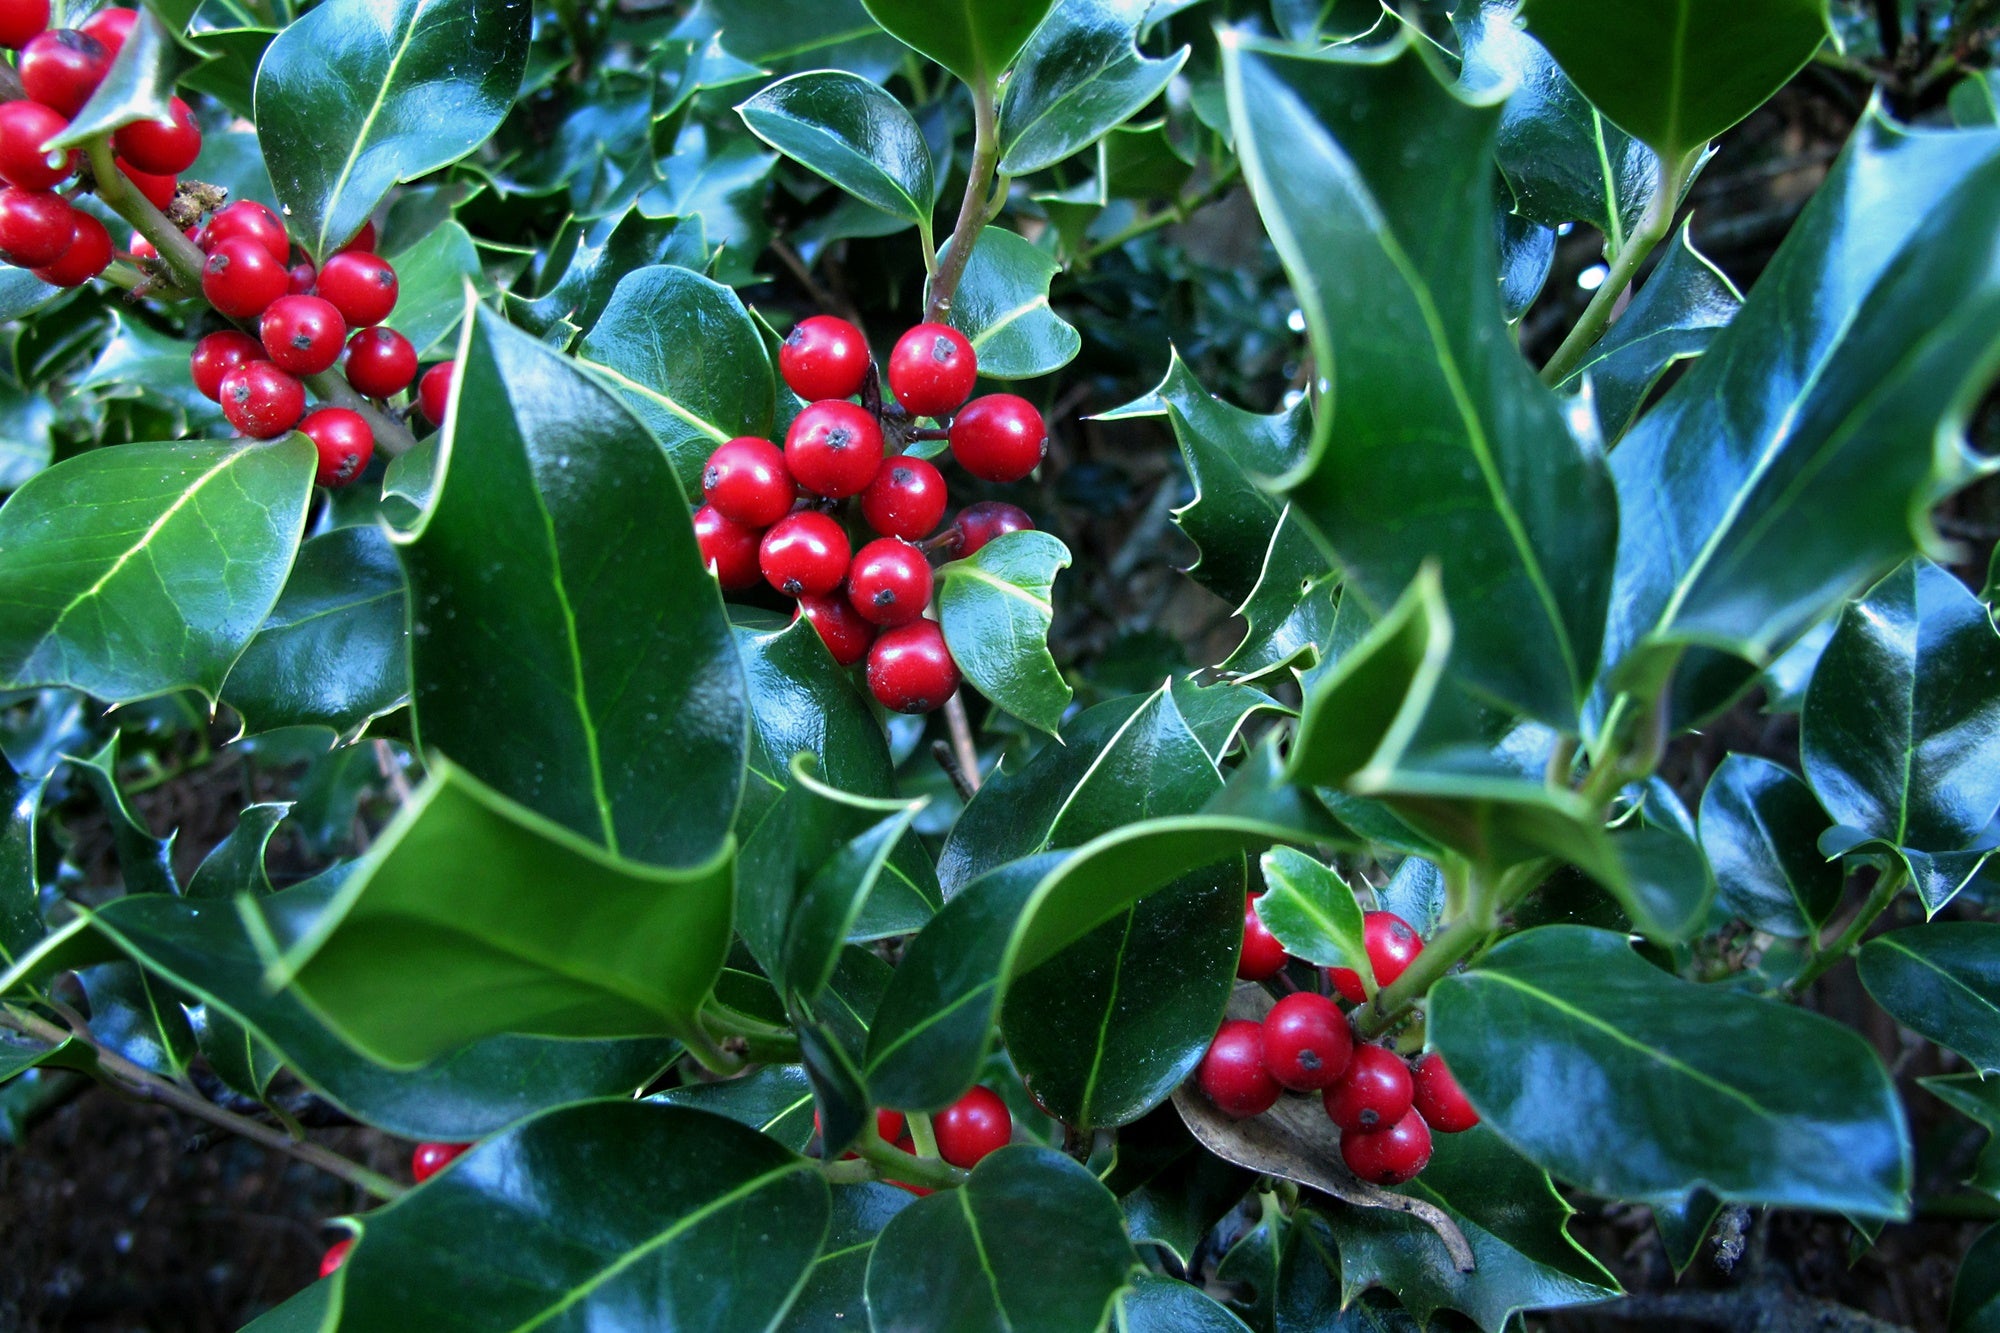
{"type": "Point", "coordinates": [1002, 305]}
{"type": "Point", "coordinates": [1677, 73]}
{"type": "Point", "coordinates": [472, 916]}
{"type": "Point", "coordinates": [1372, 177]}
{"type": "Point", "coordinates": [589, 258]}
{"type": "Point", "coordinates": [234, 53]}
{"type": "Point", "coordinates": [995, 609]}
{"type": "Point", "coordinates": [430, 285]}
{"type": "Point", "coordinates": [1173, 1192]}
{"type": "Point", "coordinates": [137, 1015]}
{"type": "Point", "coordinates": [1291, 614]}
{"type": "Point", "coordinates": [145, 862]}
{"type": "Point", "coordinates": [1664, 1085]}
{"type": "Point", "coordinates": [1975, 1296]}
{"type": "Point", "coordinates": [139, 360]}
{"type": "Point", "coordinates": [20, 882]}
{"type": "Point", "coordinates": [138, 86]}
{"type": "Point", "coordinates": [334, 652]}
{"type": "Point", "coordinates": [853, 133]}
{"type": "Point", "coordinates": [834, 1296]}
{"type": "Point", "coordinates": [1527, 255]}
{"type": "Point", "coordinates": [1080, 77]}
{"type": "Point", "coordinates": [1978, 1097]}
{"type": "Point", "coordinates": [1941, 980]}
{"type": "Point", "coordinates": [831, 902]}
{"type": "Point", "coordinates": [666, 1237]}
{"type": "Point", "coordinates": [1156, 1303]}
{"type": "Point", "coordinates": [359, 95]}
{"type": "Point", "coordinates": [304, 1312]}
{"type": "Point", "coordinates": [974, 39]}
{"type": "Point", "coordinates": [1684, 1225]}
{"type": "Point", "coordinates": [786, 36]}
{"type": "Point", "coordinates": [134, 571]}
{"type": "Point", "coordinates": [555, 524]}
{"type": "Point", "coordinates": [1313, 913]}
{"type": "Point", "coordinates": [236, 864]}
{"type": "Point", "coordinates": [1760, 827]}
{"type": "Point", "coordinates": [1975, 99]}
{"type": "Point", "coordinates": [776, 1101]}
{"type": "Point", "coordinates": [1665, 886]}
{"type": "Point", "coordinates": [1032, 1241]}
{"type": "Point", "coordinates": [19, 1054]}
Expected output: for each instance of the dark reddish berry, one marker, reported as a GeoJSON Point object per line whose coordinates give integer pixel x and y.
{"type": "Point", "coordinates": [890, 583]}
{"type": "Point", "coordinates": [1307, 1043]}
{"type": "Point", "coordinates": [999, 437]}
{"type": "Point", "coordinates": [905, 500]}
{"type": "Point", "coordinates": [380, 362]}
{"type": "Point", "coordinates": [1389, 1156]}
{"type": "Point", "coordinates": [431, 1158]}
{"type": "Point", "coordinates": [261, 400]}
{"type": "Point", "coordinates": [727, 547]}
{"type": "Point", "coordinates": [217, 355]}
{"type": "Point", "coordinates": [335, 1256]}
{"type": "Point", "coordinates": [932, 370]}
{"type": "Point", "coordinates": [303, 334]}
{"type": "Point", "coordinates": [824, 357]}
{"type": "Point", "coordinates": [158, 190]}
{"type": "Point", "coordinates": [302, 276]}
{"type": "Point", "coordinates": [981, 523]}
{"type": "Point", "coordinates": [20, 20]}
{"type": "Point", "coordinates": [163, 147]}
{"type": "Point", "coordinates": [363, 240]}
{"type": "Point", "coordinates": [24, 128]}
{"type": "Point", "coordinates": [111, 27]}
{"type": "Point", "coordinates": [805, 554]}
{"type": "Point", "coordinates": [62, 68]}
{"type": "Point", "coordinates": [1262, 957]}
{"type": "Point", "coordinates": [344, 441]}
{"type": "Point", "coordinates": [88, 253]}
{"type": "Point", "coordinates": [747, 480]}
{"type": "Point", "coordinates": [973, 1127]}
{"type": "Point", "coordinates": [248, 220]}
{"type": "Point", "coordinates": [362, 285]}
{"type": "Point", "coordinates": [1374, 1092]}
{"type": "Point", "coordinates": [1233, 1073]}
{"type": "Point", "coordinates": [841, 628]}
{"type": "Point", "coordinates": [1438, 1098]}
{"type": "Point", "coordinates": [1391, 944]}
{"type": "Point", "coordinates": [434, 395]}
{"type": "Point", "coordinates": [910, 670]}
{"type": "Point", "coordinates": [241, 279]}
{"type": "Point", "coordinates": [35, 226]}
{"type": "Point", "coordinates": [834, 449]}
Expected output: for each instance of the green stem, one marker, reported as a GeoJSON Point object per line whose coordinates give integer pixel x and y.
{"type": "Point", "coordinates": [922, 1136]}
{"type": "Point", "coordinates": [1445, 950]}
{"type": "Point", "coordinates": [1886, 888]}
{"type": "Point", "coordinates": [895, 1164]}
{"type": "Point", "coordinates": [1180, 211]}
{"type": "Point", "coordinates": [974, 209]}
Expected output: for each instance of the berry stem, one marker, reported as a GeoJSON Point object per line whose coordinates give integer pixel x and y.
{"type": "Point", "coordinates": [1887, 885]}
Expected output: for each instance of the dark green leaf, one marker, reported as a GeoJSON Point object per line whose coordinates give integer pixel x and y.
{"type": "Point", "coordinates": [138, 86]}
{"type": "Point", "coordinates": [1978, 1097]}
{"type": "Point", "coordinates": [146, 862]}
{"type": "Point", "coordinates": [1684, 1225]}
{"type": "Point", "coordinates": [137, 1015]}
{"type": "Point", "coordinates": [1080, 76]}
{"type": "Point", "coordinates": [776, 1101]}
{"type": "Point", "coordinates": [1975, 99]}
{"type": "Point", "coordinates": [1002, 305]}
{"type": "Point", "coordinates": [853, 133]}
{"type": "Point", "coordinates": [1665, 887]}
{"type": "Point", "coordinates": [230, 76]}
{"type": "Point", "coordinates": [1172, 1191]}
{"type": "Point", "coordinates": [430, 285]}
{"type": "Point", "coordinates": [834, 1298]}
{"type": "Point", "coordinates": [1156, 1303]}
{"type": "Point", "coordinates": [790, 35]}
{"type": "Point", "coordinates": [236, 1056]}
{"type": "Point", "coordinates": [305, 1312]}
{"type": "Point", "coordinates": [1290, 616]}
{"type": "Point", "coordinates": [1527, 254]}
{"type": "Point", "coordinates": [139, 360]}
{"type": "Point", "coordinates": [1975, 1296]}
{"type": "Point", "coordinates": [973, 39]}
{"type": "Point", "coordinates": [1313, 913]}
{"type": "Point", "coordinates": [19, 1054]}
{"type": "Point", "coordinates": [995, 609]}
{"type": "Point", "coordinates": [1941, 980]}
{"type": "Point", "coordinates": [832, 900]}
{"type": "Point", "coordinates": [1416, 893]}
{"type": "Point", "coordinates": [1760, 827]}
{"type": "Point", "coordinates": [236, 864]}
{"type": "Point", "coordinates": [20, 882]}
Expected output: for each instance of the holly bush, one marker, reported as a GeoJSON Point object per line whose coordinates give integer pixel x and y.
{"type": "Point", "coordinates": [755, 920]}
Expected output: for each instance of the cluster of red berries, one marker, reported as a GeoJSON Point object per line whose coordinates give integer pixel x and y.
{"type": "Point", "coordinates": [770, 514]}
{"type": "Point", "coordinates": [1385, 1108]}
{"type": "Point", "coordinates": [425, 1162]}
{"type": "Point", "coordinates": [967, 1132]}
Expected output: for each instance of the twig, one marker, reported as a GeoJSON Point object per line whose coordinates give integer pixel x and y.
{"type": "Point", "coordinates": [976, 207]}
{"type": "Point", "coordinates": [960, 727]}
{"type": "Point", "coordinates": [948, 761]}
{"type": "Point", "coordinates": [392, 773]}
{"type": "Point", "coordinates": [1886, 888]}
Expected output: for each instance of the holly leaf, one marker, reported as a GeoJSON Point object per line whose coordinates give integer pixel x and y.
{"type": "Point", "coordinates": [1313, 913]}
{"type": "Point", "coordinates": [776, 1101]}
{"type": "Point", "coordinates": [1760, 827]}
{"type": "Point", "coordinates": [1002, 306]}
{"type": "Point", "coordinates": [20, 882]}
{"type": "Point", "coordinates": [834, 1296]}
{"type": "Point", "coordinates": [431, 274]}
{"type": "Point", "coordinates": [1941, 980]}
{"type": "Point", "coordinates": [145, 862]}
{"type": "Point", "coordinates": [1291, 614]}
{"type": "Point", "coordinates": [1978, 1097]}
{"type": "Point", "coordinates": [853, 133]}
{"type": "Point", "coordinates": [995, 609]}
{"type": "Point", "coordinates": [786, 36]}
{"type": "Point", "coordinates": [1156, 1303]}
{"type": "Point", "coordinates": [235, 865]}
{"type": "Point", "coordinates": [1975, 1295]}
{"type": "Point", "coordinates": [1080, 77]}
{"type": "Point", "coordinates": [139, 85]}
{"type": "Point", "coordinates": [975, 41]}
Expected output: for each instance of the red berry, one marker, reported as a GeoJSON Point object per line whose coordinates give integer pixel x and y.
{"type": "Point", "coordinates": [824, 357]}
{"type": "Point", "coordinates": [159, 190]}
{"type": "Point", "coordinates": [888, 1125]}
{"type": "Point", "coordinates": [363, 240]}
{"type": "Point", "coordinates": [746, 479]}
{"type": "Point", "coordinates": [999, 437]}
{"type": "Point", "coordinates": [62, 68]}
{"type": "Point", "coordinates": [834, 449]}
{"type": "Point", "coordinates": [344, 441]}
{"type": "Point", "coordinates": [248, 220]}
{"type": "Point", "coordinates": [303, 334]}
{"type": "Point", "coordinates": [431, 1158]}
{"type": "Point", "coordinates": [727, 547]}
{"type": "Point", "coordinates": [141, 248]}
{"type": "Point", "coordinates": [910, 670]}
{"type": "Point", "coordinates": [20, 20]}
{"type": "Point", "coordinates": [905, 500]}
{"type": "Point", "coordinates": [805, 554]}
{"type": "Point", "coordinates": [362, 285]}
{"type": "Point", "coordinates": [88, 253]}
{"type": "Point", "coordinates": [302, 275]}
{"type": "Point", "coordinates": [1307, 1042]}
{"type": "Point", "coordinates": [380, 362]}
{"type": "Point", "coordinates": [1391, 944]}
{"type": "Point", "coordinates": [1233, 1073]}
{"type": "Point", "coordinates": [981, 523]}
{"type": "Point", "coordinates": [1439, 1099]}
{"type": "Point", "coordinates": [841, 628]}
{"type": "Point", "coordinates": [932, 370]}
{"type": "Point", "coordinates": [1263, 957]}
{"type": "Point", "coordinates": [241, 279]}
{"type": "Point", "coordinates": [35, 226]}
{"type": "Point", "coordinates": [261, 400]}
{"type": "Point", "coordinates": [163, 147]}
{"type": "Point", "coordinates": [111, 26]}
{"type": "Point", "coordinates": [1373, 1093]}
{"type": "Point", "coordinates": [890, 583]}
{"type": "Point", "coordinates": [24, 128]}
{"type": "Point", "coordinates": [1389, 1156]}
{"type": "Point", "coordinates": [434, 394]}
{"type": "Point", "coordinates": [335, 1256]}
{"type": "Point", "coordinates": [217, 355]}
{"type": "Point", "coordinates": [973, 1127]}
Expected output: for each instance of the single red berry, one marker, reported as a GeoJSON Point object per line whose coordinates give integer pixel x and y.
{"type": "Point", "coordinates": [906, 499]}
{"type": "Point", "coordinates": [1389, 1156]}
{"type": "Point", "coordinates": [973, 1127]}
{"type": "Point", "coordinates": [88, 254]}
{"type": "Point", "coordinates": [1232, 1073]}
{"type": "Point", "coordinates": [302, 275]}
{"type": "Point", "coordinates": [981, 523]}
{"type": "Point", "coordinates": [932, 370]}
{"type": "Point", "coordinates": [1374, 1092]}
{"type": "Point", "coordinates": [1391, 944]}
{"type": "Point", "coordinates": [20, 20]}
{"type": "Point", "coordinates": [434, 394]}
{"type": "Point", "coordinates": [834, 449]}
{"type": "Point", "coordinates": [163, 147]}
{"type": "Point", "coordinates": [999, 437]}
{"type": "Point", "coordinates": [261, 400]}
{"type": "Point", "coordinates": [431, 1158]}
{"type": "Point", "coordinates": [24, 127]}
{"type": "Point", "coordinates": [159, 190]}
{"type": "Point", "coordinates": [335, 1256]}
{"type": "Point", "coordinates": [217, 355]}
{"type": "Point", "coordinates": [910, 670]}
{"type": "Point", "coordinates": [35, 226]}
{"type": "Point", "coordinates": [362, 285]}
{"type": "Point", "coordinates": [746, 479]}
{"type": "Point", "coordinates": [824, 357]}
{"type": "Point", "coordinates": [141, 248]}
{"type": "Point", "coordinates": [363, 240]}
{"type": "Point", "coordinates": [241, 279]}
{"type": "Point", "coordinates": [1307, 1042]}
{"type": "Point", "coordinates": [1262, 957]}
{"type": "Point", "coordinates": [248, 220]}
{"type": "Point", "coordinates": [805, 554]}
{"type": "Point", "coordinates": [61, 68]}
{"type": "Point", "coordinates": [727, 547]}
{"type": "Point", "coordinates": [303, 334]}
{"type": "Point", "coordinates": [111, 26]}
{"type": "Point", "coordinates": [890, 583]}
{"type": "Point", "coordinates": [841, 628]}
{"type": "Point", "coordinates": [344, 441]}
{"type": "Point", "coordinates": [1438, 1098]}
{"type": "Point", "coordinates": [380, 362]}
